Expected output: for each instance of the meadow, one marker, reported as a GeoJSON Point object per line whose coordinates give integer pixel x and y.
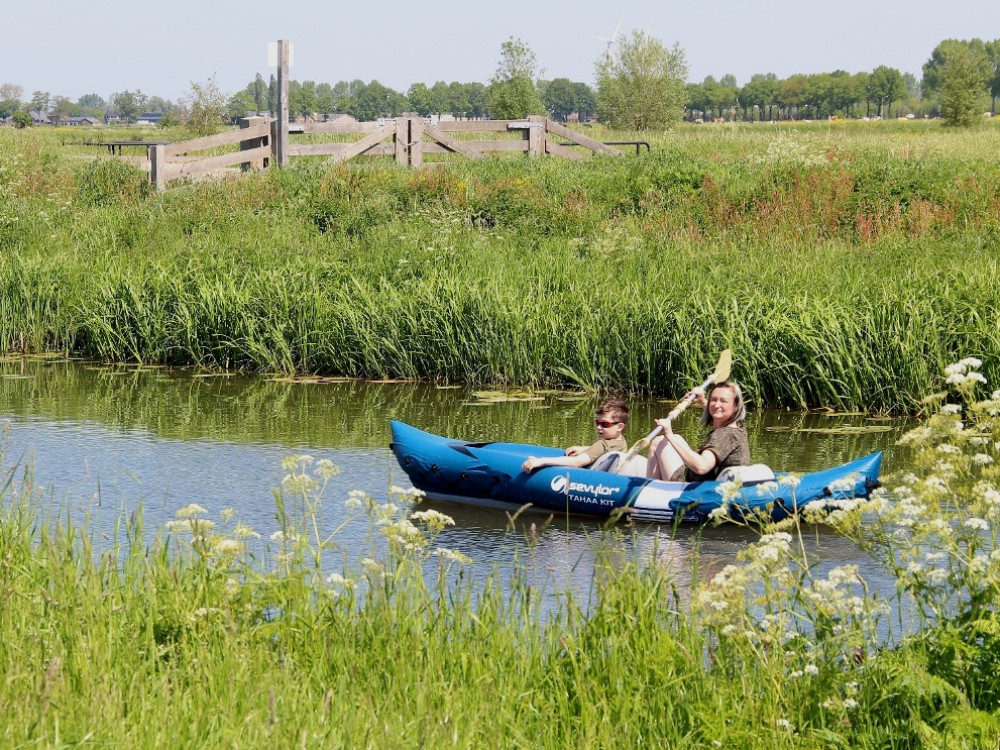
{"type": "Point", "coordinates": [845, 263]}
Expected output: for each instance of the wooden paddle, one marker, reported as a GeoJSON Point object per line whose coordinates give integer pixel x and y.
{"type": "Point", "coordinates": [721, 373]}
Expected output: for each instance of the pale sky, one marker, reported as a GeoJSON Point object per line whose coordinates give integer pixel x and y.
{"type": "Point", "coordinates": [71, 48]}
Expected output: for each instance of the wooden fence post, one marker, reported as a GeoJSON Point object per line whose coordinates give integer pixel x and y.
{"type": "Point", "coordinates": [281, 144]}
{"type": "Point", "coordinates": [158, 167]}
{"type": "Point", "coordinates": [409, 131]}
{"type": "Point", "coordinates": [536, 136]}
{"type": "Point", "coordinates": [416, 129]}
{"type": "Point", "coordinates": [247, 122]}
{"type": "Point", "coordinates": [402, 138]}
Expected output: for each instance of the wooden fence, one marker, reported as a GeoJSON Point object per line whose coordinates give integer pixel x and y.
{"type": "Point", "coordinates": [407, 139]}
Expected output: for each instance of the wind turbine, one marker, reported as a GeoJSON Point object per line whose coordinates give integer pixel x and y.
{"type": "Point", "coordinates": [612, 40]}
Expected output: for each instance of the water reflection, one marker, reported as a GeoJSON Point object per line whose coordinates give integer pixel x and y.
{"type": "Point", "coordinates": [106, 439]}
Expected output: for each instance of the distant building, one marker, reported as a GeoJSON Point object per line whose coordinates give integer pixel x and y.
{"type": "Point", "coordinates": [334, 117]}
{"type": "Point", "coordinates": [40, 118]}
{"type": "Point", "coordinates": [149, 118]}
{"type": "Point", "coordinates": [89, 121]}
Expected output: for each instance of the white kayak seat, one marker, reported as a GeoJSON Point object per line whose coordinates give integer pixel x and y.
{"type": "Point", "coordinates": [752, 474]}
{"type": "Point", "coordinates": [636, 466]}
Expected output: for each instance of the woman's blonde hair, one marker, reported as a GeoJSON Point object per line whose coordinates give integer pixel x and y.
{"type": "Point", "coordinates": [740, 415]}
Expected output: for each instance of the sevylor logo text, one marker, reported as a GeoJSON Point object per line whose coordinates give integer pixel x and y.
{"type": "Point", "coordinates": [581, 492]}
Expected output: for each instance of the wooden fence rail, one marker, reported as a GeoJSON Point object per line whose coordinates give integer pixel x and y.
{"type": "Point", "coordinates": [406, 139]}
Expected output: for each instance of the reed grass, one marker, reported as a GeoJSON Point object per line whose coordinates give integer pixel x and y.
{"type": "Point", "coordinates": [844, 265]}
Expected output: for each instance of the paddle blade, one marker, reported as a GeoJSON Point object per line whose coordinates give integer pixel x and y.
{"type": "Point", "coordinates": [723, 368]}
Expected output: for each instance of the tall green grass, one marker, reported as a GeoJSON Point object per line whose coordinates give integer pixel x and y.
{"type": "Point", "coordinates": [843, 265]}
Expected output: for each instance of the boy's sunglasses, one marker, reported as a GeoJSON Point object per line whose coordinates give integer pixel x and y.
{"type": "Point", "coordinates": [604, 423]}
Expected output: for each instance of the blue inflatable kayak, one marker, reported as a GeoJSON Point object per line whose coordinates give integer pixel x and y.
{"type": "Point", "coordinates": [489, 474]}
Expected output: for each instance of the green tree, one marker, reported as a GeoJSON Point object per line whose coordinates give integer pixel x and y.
{"type": "Point", "coordinates": [885, 86]}
{"type": "Point", "coordinates": [458, 99]}
{"type": "Point", "coordinates": [512, 92]}
{"type": "Point", "coordinates": [641, 85]}
{"type": "Point", "coordinates": [158, 104]}
{"type": "Point", "coordinates": [128, 104]}
{"type": "Point", "coordinates": [92, 102]}
{"type": "Point", "coordinates": [259, 93]}
{"type": "Point", "coordinates": [791, 94]}
{"type": "Point", "coordinates": [302, 99]}
{"type": "Point", "coordinates": [325, 101]}
{"type": "Point", "coordinates": [478, 100]}
{"type": "Point", "coordinates": [993, 54]}
{"type": "Point", "coordinates": [935, 66]}
{"type": "Point", "coordinates": [760, 92]}
{"type": "Point", "coordinates": [729, 96]}
{"type": "Point", "coordinates": [239, 105]}
{"type": "Point", "coordinates": [40, 101]}
{"type": "Point", "coordinates": [204, 107]}
{"type": "Point", "coordinates": [272, 95]}
{"type": "Point", "coordinates": [696, 100]}
{"type": "Point", "coordinates": [10, 98]}
{"type": "Point", "coordinates": [439, 98]}
{"type": "Point", "coordinates": [586, 101]}
{"type": "Point", "coordinates": [373, 100]}
{"type": "Point", "coordinates": [420, 98]}
{"type": "Point", "coordinates": [22, 119]}
{"type": "Point", "coordinates": [962, 86]}
{"type": "Point", "coordinates": [719, 95]}
{"type": "Point", "coordinates": [560, 98]}
{"type": "Point", "coordinates": [62, 107]}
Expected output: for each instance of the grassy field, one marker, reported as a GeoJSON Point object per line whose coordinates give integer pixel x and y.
{"type": "Point", "coordinates": [201, 634]}
{"type": "Point", "coordinates": [845, 264]}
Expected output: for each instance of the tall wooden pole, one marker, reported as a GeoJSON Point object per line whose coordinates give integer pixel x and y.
{"type": "Point", "coordinates": [281, 144]}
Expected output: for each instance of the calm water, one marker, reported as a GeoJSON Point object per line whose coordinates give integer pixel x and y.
{"type": "Point", "coordinates": [104, 440]}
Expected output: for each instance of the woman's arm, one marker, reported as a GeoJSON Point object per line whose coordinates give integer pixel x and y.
{"type": "Point", "coordinates": [699, 463]}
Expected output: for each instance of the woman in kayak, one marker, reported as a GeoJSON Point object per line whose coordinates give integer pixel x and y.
{"type": "Point", "coordinates": [672, 458]}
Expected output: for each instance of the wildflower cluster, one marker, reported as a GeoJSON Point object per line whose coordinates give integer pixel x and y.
{"type": "Point", "coordinates": [220, 545]}
{"type": "Point", "coordinates": [935, 527]}
{"type": "Point", "coordinates": [730, 602]}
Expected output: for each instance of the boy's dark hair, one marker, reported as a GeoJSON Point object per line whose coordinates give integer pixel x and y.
{"type": "Point", "coordinates": [614, 408]}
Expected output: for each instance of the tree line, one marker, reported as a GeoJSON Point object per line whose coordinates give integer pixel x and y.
{"type": "Point", "coordinates": [640, 84]}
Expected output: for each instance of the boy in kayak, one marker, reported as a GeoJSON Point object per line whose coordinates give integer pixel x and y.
{"type": "Point", "coordinates": [610, 420]}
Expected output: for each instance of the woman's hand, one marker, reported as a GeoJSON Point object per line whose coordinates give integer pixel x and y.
{"type": "Point", "coordinates": [667, 425]}
{"type": "Point", "coordinates": [698, 394]}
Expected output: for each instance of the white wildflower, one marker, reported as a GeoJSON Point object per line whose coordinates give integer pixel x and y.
{"type": "Point", "coordinates": [790, 480]}
{"type": "Point", "coordinates": [336, 579]}
{"type": "Point", "coordinates": [245, 532]}
{"type": "Point", "coordinates": [450, 555]}
{"type": "Point", "coordinates": [433, 519]}
{"type": "Point", "coordinates": [326, 469]}
{"type": "Point", "coordinates": [228, 547]}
